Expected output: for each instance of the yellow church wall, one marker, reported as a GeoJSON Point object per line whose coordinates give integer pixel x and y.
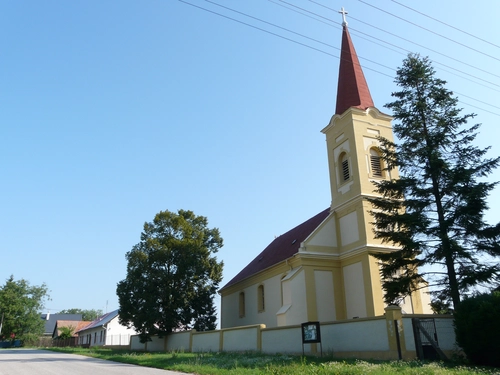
{"type": "Point", "coordinates": [418, 302]}
{"type": "Point", "coordinates": [376, 292]}
{"type": "Point", "coordinates": [320, 287]}
{"type": "Point", "coordinates": [367, 278]}
{"type": "Point", "coordinates": [271, 281]}
{"type": "Point", "coordinates": [331, 291]}
{"type": "Point", "coordinates": [353, 226]}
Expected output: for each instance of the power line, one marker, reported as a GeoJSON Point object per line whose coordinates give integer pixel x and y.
{"type": "Point", "coordinates": [257, 28]}
{"type": "Point", "coordinates": [304, 14]}
{"type": "Point", "coordinates": [409, 41]}
{"type": "Point", "coordinates": [444, 23]}
{"type": "Point", "coordinates": [279, 36]}
{"type": "Point", "coordinates": [408, 51]}
{"type": "Point", "coordinates": [433, 32]}
{"type": "Point", "coordinates": [308, 46]}
{"type": "Point", "coordinates": [293, 32]}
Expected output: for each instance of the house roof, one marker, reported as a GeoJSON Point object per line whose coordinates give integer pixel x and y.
{"type": "Point", "coordinates": [69, 323]}
{"type": "Point", "coordinates": [51, 319]}
{"type": "Point", "coordinates": [283, 247]}
{"type": "Point", "coordinates": [102, 320]}
{"type": "Point", "coordinates": [352, 89]}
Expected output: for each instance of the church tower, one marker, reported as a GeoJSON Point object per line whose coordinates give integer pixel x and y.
{"type": "Point", "coordinates": [355, 163]}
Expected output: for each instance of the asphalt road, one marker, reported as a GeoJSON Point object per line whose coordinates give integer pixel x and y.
{"type": "Point", "coordinates": [44, 362]}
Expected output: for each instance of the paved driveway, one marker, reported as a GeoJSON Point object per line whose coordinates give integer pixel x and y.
{"type": "Point", "coordinates": [44, 362]}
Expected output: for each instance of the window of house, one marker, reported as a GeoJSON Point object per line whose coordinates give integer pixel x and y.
{"type": "Point", "coordinates": [260, 295]}
{"type": "Point", "coordinates": [344, 165]}
{"type": "Point", "coordinates": [95, 337]}
{"type": "Point", "coordinates": [376, 163]}
{"type": "Point", "coordinates": [242, 304]}
{"type": "Point", "coordinates": [100, 339]}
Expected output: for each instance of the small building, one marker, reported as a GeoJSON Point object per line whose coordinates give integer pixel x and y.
{"type": "Point", "coordinates": [51, 319]}
{"type": "Point", "coordinates": [105, 330]}
{"type": "Point", "coordinates": [75, 325]}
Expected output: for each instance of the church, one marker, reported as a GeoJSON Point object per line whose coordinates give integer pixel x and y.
{"type": "Point", "coordinates": [322, 269]}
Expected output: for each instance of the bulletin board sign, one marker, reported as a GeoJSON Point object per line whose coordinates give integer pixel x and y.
{"type": "Point", "coordinates": [311, 333]}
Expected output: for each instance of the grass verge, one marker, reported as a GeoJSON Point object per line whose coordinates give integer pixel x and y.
{"type": "Point", "coordinates": [256, 363]}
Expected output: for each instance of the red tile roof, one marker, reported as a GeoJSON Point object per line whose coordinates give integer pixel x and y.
{"type": "Point", "coordinates": [352, 89]}
{"type": "Point", "coordinates": [283, 247]}
{"type": "Point", "coordinates": [77, 325]}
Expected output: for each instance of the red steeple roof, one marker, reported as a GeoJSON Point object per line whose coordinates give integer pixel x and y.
{"type": "Point", "coordinates": [352, 90]}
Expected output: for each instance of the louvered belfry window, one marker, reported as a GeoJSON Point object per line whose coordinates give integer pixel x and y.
{"type": "Point", "coordinates": [376, 163]}
{"type": "Point", "coordinates": [344, 162]}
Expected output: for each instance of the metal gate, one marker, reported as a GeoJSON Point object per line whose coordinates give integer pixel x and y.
{"type": "Point", "coordinates": [426, 339]}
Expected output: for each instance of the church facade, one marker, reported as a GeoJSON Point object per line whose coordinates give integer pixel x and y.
{"type": "Point", "coordinates": [322, 269]}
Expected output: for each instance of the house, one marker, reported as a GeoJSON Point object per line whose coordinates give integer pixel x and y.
{"type": "Point", "coordinates": [51, 319]}
{"type": "Point", "coordinates": [105, 330]}
{"type": "Point", "coordinates": [75, 325]}
{"type": "Point", "coordinates": [322, 269]}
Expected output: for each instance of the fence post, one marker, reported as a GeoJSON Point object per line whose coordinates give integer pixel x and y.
{"type": "Point", "coordinates": [191, 340]}
{"type": "Point", "coordinates": [395, 332]}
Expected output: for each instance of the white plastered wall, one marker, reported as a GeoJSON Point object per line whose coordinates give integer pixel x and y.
{"type": "Point", "coordinates": [326, 235]}
{"type": "Point", "coordinates": [349, 229]}
{"type": "Point", "coordinates": [325, 298]}
{"type": "Point", "coordinates": [354, 291]}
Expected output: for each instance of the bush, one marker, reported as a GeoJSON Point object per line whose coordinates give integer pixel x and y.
{"type": "Point", "coordinates": [477, 328]}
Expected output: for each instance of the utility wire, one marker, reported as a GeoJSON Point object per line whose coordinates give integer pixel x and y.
{"type": "Point", "coordinates": [293, 32]}
{"type": "Point", "coordinates": [407, 40]}
{"type": "Point", "coordinates": [255, 27]}
{"type": "Point", "coordinates": [356, 32]}
{"type": "Point", "coordinates": [304, 14]}
{"type": "Point", "coordinates": [330, 22]}
{"type": "Point", "coordinates": [433, 32]}
{"type": "Point", "coordinates": [444, 23]}
{"type": "Point", "coordinates": [277, 35]}
{"type": "Point", "coordinates": [305, 45]}
{"type": "Point", "coordinates": [401, 48]}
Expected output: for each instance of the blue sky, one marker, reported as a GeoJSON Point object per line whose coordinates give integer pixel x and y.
{"type": "Point", "coordinates": [111, 111]}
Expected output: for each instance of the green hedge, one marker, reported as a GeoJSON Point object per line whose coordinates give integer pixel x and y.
{"type": "Point", "coordinates": [477, 328]}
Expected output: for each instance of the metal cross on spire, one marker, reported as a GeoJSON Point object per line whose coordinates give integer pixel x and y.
{"type": "Point", "coordinates": [343, 12]}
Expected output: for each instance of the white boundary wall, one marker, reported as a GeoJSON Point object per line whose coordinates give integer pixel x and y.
{"type": "Point", "coordinates": [355, 336]}
{"type": "Point", "coordinates": [206, 341]}
{"type": "Point", "coordinates": [369, 338]}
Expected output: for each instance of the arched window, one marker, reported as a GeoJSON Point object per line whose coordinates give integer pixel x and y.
{"type": "Point", "coordinates": [375, 163]}
{"type": "Point", "coordinates": [260, 295]}
{"type": "Point", "coordinates": [242, 304]}
{"type": "Point", "coordinates": [344, 165]}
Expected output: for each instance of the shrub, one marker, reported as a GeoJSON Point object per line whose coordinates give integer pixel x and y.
{"type": "Point", "coordinates": [477, 328]}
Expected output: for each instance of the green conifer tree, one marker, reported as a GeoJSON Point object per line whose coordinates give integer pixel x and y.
{"type": "Point", "coordinates": [434, 213]}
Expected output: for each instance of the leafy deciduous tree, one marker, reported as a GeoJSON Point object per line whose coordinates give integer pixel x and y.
{"type": "Point", "coordinates": [66, 332]}
{"type": "Point", "coordinates": [172, 276]}
{"type": "Point", "coordinates": [20, 305]}
{"type": "Point", "coordinates": [434, 212]}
